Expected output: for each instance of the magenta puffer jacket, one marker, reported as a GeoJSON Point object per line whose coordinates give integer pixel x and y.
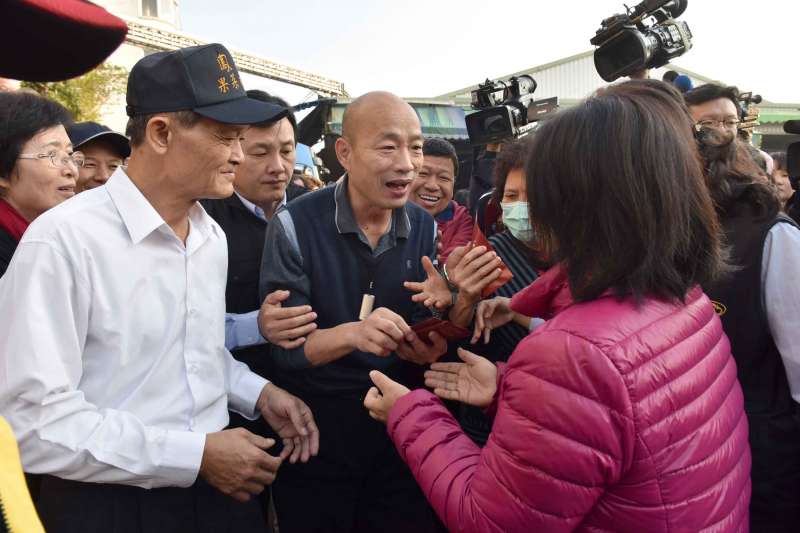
{"type": "Point", "coordinates": [608, 418]}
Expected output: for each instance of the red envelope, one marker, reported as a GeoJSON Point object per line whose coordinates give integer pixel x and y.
{"type": "Point", "coordinates": [445, 328]}
{"type": "Point", "coordinates": [479, 239]}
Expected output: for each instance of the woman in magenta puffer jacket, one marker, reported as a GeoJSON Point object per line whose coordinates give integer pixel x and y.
{"type": "Point", "coordinates": [622, 412]}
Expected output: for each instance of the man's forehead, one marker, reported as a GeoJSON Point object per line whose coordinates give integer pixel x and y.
{"type": "Point", "coordinates": [438, 163]}
{"type": "Point", "coordinates": [718, 106]}
{"type": "Point", "coordinates": [280, 132]}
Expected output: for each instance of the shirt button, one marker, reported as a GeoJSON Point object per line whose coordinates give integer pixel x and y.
{"type": "Point", "coordinates": [193, 369]}
{"type": "Point", "coordinates": [192, 312]}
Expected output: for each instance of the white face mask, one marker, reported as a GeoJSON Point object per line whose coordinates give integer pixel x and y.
{"type": "Point", "coordinates": [515, 218]}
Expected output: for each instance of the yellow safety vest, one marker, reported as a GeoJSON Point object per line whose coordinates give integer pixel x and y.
{"type": "Point", "coordinates": [18, 513]}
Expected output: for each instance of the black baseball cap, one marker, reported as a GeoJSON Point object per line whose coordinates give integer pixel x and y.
{"type": "Point", "coordinates": [203, 79]}
{"type": "Point", "coordinates": [81, 133]}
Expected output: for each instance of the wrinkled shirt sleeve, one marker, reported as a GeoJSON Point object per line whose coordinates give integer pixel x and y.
{"type": "Point", "coordinates": [43, 328]}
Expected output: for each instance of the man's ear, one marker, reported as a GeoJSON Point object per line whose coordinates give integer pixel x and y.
{"type": "Point", "coordinates": [158, 133]}
{"type": "Point", "coordinates": [344, 151]}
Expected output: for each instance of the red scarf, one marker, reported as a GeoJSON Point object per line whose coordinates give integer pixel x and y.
{"type": "Point", "coordinates": [11, 220]}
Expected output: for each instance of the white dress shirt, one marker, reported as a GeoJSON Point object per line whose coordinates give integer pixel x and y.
{"type": "Point", "coordinates": [780, 282]}
{"type": "Point", "coordinates": [112, 359]}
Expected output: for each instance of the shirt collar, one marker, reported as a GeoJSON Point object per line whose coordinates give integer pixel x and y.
{"type": "Point", "coordinates": [346, 221]}
{"type": "Point", "coordinates": [140, 217]}
{"type": "Point", "coordinates": [257, 211]}
{"type": "Point", "coordinates": [447, 213]}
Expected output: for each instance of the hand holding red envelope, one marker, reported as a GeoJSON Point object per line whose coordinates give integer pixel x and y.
{"type": "Point", "coordinates": [479, 239]}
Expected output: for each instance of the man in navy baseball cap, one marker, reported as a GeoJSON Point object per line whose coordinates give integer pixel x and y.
{"type": "Point", "coordinates": [104, 151]}
{"type": "Point", "coordinates": [131, 408]}
{"type": "Point", "coordinates": [203, 79]}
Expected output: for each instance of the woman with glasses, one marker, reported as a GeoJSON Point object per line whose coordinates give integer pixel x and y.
{"type": "Point", "coordinates": [37, 165]}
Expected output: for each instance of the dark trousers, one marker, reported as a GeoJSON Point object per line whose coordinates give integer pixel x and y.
{"type": "Point", "coordinates": [76, 507]}
{"type": "Point", "coordinates": [357, 483]}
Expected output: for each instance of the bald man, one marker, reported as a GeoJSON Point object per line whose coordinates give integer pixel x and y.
{"type": "Point", "coordinates": [334, 250]}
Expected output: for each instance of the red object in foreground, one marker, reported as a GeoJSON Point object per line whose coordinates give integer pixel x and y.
{"type": "Point", "coordinates": [53, 40]}
{"type": "Point", "coordinates": [479, 239]}
{"type": "Point", "coordinates": [445, 328]}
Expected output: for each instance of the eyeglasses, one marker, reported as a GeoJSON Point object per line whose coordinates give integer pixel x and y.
{"type": "Point", "coordinates": [728, 123]}
{"type": "Point", "coordinates": [58, 158]}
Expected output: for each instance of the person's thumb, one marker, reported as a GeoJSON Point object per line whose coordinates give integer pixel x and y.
{"type": "Point", "coordinates": [276, 297]}
{"type": "Point", "coordinates": [467, 356]}
{"type": "Point", "coordinates": [428, 266]}
{"type": "Point", "coordinates": [380, 380]}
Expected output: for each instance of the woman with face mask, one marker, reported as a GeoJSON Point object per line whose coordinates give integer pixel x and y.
{"type": "Point", "coordinates": [471, 271]}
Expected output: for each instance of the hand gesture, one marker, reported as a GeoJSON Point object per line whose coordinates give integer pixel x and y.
{"type": "Point", "coordinates": [382, 397]}
{"type": "Point", "coordinates": [417, 351]}
{"type": "Point", "coordinates": [381, 332]}
{"type": "Point", "coordinates": [475, 270]}
{"type": "Point", "coordinates": [291, 418]}
{"type": "Point", "coordinates": [235, 462]}
{"type": "Point", "coordinates": [473, 382]}
{"type": "Point", "coordinates": [433, 292]}
{"type": "Point", "coordinates": [489, 315]}
{"type": "Point", "coordinates": [286, 327]}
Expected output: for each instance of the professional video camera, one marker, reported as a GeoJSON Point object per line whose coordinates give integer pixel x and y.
{"type": "Point", "coordinates": [506, 109]}
{"type": "Point", "coordinates": [645, 37]}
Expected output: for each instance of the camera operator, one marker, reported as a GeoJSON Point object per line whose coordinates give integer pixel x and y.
{"type": "Point", "coordinates": [482, 175]}
{"type": "Point", "coordinates": [758, 304]}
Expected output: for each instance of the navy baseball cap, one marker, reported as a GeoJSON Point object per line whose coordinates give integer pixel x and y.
{"type": "Point", "coordinates": [203, 79]}
{"type": "Point", "coordinates": [81, 133]}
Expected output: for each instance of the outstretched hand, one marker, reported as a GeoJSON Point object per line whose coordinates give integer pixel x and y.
{"type": "Point", "coordinates": [473, 382]}
{"type": "Point", "coordinates": [433, 292]}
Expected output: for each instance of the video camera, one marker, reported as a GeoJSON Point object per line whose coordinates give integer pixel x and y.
{"type": "Point", "coordinates": [645, 37]}
{"type": "Point", "coordinates": [506, 109]}
{"type": "Point", "coordinates": [749, 112]}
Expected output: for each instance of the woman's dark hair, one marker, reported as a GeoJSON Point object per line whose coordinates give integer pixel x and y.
{"type": "Point", "coordinates": [735, 181]}
{"type": "Point", "coordinates": [276, 100]}
{"type": "Point", "coordinates": [441, 148]}
{"type": "Point", "coordinates": [22, 116]}
{"type": "Point", "coordinates": [617, 194]}
{"type": "Point", "coordinates": [512, 155]}
{"type": "Point", "coordinates": [780, 160]}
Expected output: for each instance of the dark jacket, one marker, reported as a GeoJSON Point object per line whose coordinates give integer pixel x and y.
{"type": "Point", "coordinates": [245, 234]}
{"type": "Point", "coordinates": [773, 415]}
{"type": "Point", "coordinates": [7, 246]}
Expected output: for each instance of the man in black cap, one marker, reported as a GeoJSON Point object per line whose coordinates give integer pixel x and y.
{"type": "Point", "coordinates": [116, 376]}
{"type": "Point", "coordinates": [104, 152]}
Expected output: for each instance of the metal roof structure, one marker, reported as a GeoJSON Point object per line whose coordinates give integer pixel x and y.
{"type": "Point", "coordinates": [163, 39]}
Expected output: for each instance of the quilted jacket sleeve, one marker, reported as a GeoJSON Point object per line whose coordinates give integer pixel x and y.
{"type": "Point", "coordinates": [562, 434]}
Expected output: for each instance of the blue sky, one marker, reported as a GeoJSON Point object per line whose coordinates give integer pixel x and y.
{"type": "Point", "coordinates": [426, 48]}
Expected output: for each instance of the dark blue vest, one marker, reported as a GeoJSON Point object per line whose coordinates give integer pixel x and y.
{"type": "Point", "coordinates": [340, 267]}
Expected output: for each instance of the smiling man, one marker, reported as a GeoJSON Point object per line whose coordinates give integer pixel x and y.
{"type": "Point", "coordinates": [104, 151]}
{"type": "Point", "coordinates": [433, 191]}
{"type": "Point", "coordinates": [117, 382]}
{"type": "Point", "coordinates": [334, 249]}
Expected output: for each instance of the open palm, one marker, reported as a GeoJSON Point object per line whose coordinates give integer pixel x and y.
{"type": "Point", "coordinates": [473, 382]}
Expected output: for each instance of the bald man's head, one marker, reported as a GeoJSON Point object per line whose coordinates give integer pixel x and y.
{"type": "Point", "coordinates": [381, 148]}
{"type": "Point", "coordinates": [367, 106]}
